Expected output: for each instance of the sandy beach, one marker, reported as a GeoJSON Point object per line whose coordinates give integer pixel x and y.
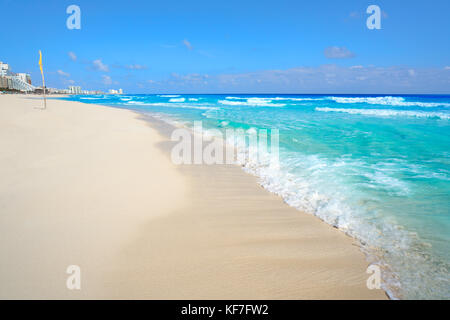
{"type": "Point", "coordinates": [94, 186]}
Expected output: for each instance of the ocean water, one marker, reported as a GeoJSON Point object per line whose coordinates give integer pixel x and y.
{"type": "Point", "coordinates": [375, 166]}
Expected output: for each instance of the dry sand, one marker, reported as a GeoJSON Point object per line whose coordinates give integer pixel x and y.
{"type": "Point", "coordinates": [94, 186]}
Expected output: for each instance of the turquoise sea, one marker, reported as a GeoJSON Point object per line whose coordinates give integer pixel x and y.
{"type": "Point", "coordinates": [375, 166]}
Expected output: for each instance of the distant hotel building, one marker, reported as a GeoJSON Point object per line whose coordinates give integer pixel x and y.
{"type": "Point", "coordinates": [4, 69]}
{"type": "Point", "coordinates": [14, 81]}
{"type": "Point", "coordinates": [10, 81]}
{"type": "Point", "coordinates": [113, 91]}
{"type": "Point", "coordinates": [75, 90]}
{"type": "Point", "coordinates": [24, 77]}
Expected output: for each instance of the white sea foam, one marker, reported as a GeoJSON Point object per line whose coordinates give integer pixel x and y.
{"type": "Point", "coordinates": [298, 99]}
{"type": "Point", "coordinates": [388, 112]}
{"type": "Point", "coordinates": [303, 181]}
{"type": "Point", "coordinates": [177, 100]}
{"type": "Point", "coordinates": [236, 98]}
{"type": "Point", "coordinates": [276, 98]}
{"type": "Point", "coordinates": [382, 181]}
{"type": "Point", "coordinates": [140, 103]}
{"type": "Point", "coordinates": [253, 102]}
{"type": "Point", "coordinates": [168, 95]}
{"type": "Point", "coordinates": [388, 100]}
{"type": "Point", "coordinates": [171, 105]}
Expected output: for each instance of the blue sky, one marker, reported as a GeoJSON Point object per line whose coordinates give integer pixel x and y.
{"type": "Point", "coordinates": [232, 46]}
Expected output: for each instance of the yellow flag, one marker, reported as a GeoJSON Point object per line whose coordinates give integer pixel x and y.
{"type": "Point", "coordinates": [43, 80]}
{"type": "Point", "coordinates": [40, 62]}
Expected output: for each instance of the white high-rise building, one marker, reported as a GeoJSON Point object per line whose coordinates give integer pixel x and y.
{"type": "Point", "coordinates": [4, 69]}
{"type": "Point", "coordinates": [15, 81]}
{"type": "Point", "coordinates": [75, 90]}
{"type": "Point", "coordinates": [25, 77]}
{"type": "Point", "coordinates": [18, 84]}
{"type": "Point", "coordinates": [114, 91]}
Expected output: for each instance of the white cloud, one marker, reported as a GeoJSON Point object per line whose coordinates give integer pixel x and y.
{"type": "Point", "coordinates": [187, 44]}
{"type": "Point", "coordinates": [72, 56]}
{"type": "Point", "coordinates": [106, 80]}
{"type": "Point", "coordinates": [338, 53]}
{"type": "Point", "coordinates": [100, 66]}
{"type": "Point", "coordinates": [325, 78]}
{"type": "Point", "coordinates": [62, 73]}
{"type": "Point", "coordinates": [447, 68]}
{"type": "Point", "coordinates": [356, 67]}
{"type": "Point", "coordinates": [193, 77]}
{"type": "Point", "coordinates": [136, 67]}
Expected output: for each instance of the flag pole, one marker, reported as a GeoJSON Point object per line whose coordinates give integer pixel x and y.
{"type": "Point", "coordinates": [43, 85]}
{"type": "Point", "coordinates": [43, 80]}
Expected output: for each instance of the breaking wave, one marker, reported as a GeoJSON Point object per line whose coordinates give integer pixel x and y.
{"type": "Point", "coordinates": [388, 100]}
{"type": "Point", "coordinates": [387, 112]}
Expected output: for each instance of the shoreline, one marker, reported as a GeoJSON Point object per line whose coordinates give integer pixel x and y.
{"type": "Point", "coordinates": [211, 232]}
{"type": "Point", "coordinates": [165, 127]}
